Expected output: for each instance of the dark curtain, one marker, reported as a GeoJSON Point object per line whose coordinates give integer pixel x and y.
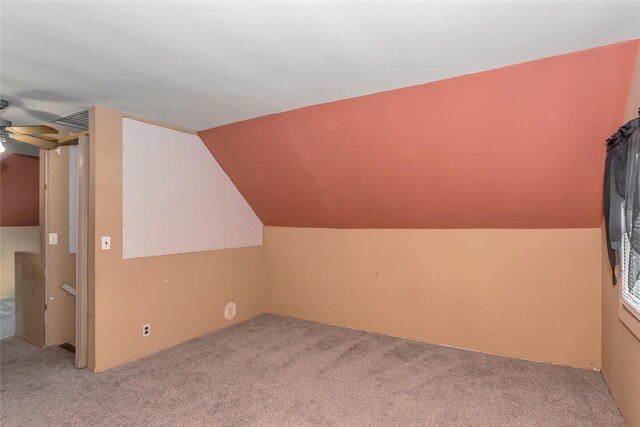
{"type": "Point", "coordinates": [621, 198]}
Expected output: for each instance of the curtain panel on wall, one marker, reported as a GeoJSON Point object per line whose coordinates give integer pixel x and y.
{"type": "Point", "coordinates": [622, 198]}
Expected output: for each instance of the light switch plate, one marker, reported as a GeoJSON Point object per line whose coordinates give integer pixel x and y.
{"type": "Point", "coordinates": [53, 238]}
{"type": "Point", "coordinates": [105, 243]}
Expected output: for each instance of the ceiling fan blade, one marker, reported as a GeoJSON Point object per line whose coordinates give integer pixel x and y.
{"type": "Point", "coordinates": [70, 141]}
{"type": "Point", "coordinates": [46, 138]}
{"type": "Point", "coordinates": [38, 142]}
{"type": "Point", "coordinates": [38, 129]}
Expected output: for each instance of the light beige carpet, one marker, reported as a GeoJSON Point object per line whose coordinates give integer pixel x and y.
{"type": "Point", "coordinates": [276, 371]}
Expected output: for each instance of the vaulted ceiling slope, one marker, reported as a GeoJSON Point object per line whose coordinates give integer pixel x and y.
{"type": "Point", "coordinates": [202, 64]}
{"type": "Point", "coordinates": [516, 147]}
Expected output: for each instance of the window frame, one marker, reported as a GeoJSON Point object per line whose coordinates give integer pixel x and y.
{"type": "Point", "coordinates": [628, 313]}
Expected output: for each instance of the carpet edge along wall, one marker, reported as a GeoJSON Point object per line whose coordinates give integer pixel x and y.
{"type": "Point", "coordinates": [515, 147]}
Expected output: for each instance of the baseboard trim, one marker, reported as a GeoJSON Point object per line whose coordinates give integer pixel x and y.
{"type": "Point", "coordinates": [594, 368]}
{"type": "Point", "coordinates": [94, 369]}
{"type": "Point", "coordinates": [30, 341]}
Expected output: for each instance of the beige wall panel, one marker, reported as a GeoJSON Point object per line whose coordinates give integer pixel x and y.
{"type": "Point", "coordinates": [182, 296]}
{"type": "Point", "coordinates": [29, 298]}
{"type": "Point", "coordinates": [620, 347]}
{"type": "Point", "coordinates": [60, 264]}
{"type": "Point", "coordinates": [532, 294]}
{"type": "Point", "coordinates": [14, 239]}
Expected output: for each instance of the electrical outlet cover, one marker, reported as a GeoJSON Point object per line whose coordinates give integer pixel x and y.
{"type": "Point", "coordinates": [230, 311]}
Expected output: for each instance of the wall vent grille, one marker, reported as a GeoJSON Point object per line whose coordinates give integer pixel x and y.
{"type": "Point", "coordinates": [78, 119]}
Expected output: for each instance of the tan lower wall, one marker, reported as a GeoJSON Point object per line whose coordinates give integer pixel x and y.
{"type": "Point", "coordinates": [14, 239]}
{"type": "Point", "coordinates": [533, 294]}
{"type": "Point", "coordinates": [182, 296]}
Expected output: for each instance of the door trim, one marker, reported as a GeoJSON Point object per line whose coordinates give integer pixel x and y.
{"type": "Point", "coordinates": [82, 255]}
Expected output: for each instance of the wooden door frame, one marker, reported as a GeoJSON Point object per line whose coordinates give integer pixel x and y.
{"type": "Point", "coordinates": [44, 235]}
{"type": "Point", "coordinates": [82, 255]}
{"type": "Point", "coordinates": [82, 248]}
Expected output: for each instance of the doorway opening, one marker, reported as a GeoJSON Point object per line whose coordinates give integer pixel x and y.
{"type": "Point", "coordinates": [50, 278]}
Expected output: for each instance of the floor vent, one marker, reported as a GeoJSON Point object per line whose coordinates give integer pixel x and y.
{"type": "Point", "coordinates": [68, 347]}
{"type": "Point", "coordinates": [78, 120]}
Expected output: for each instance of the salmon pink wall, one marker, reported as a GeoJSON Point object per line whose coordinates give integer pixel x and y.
{"type": "Point", "coordinates": [515, 147]}
{"type": "Point", "coordinates": [19, 180]}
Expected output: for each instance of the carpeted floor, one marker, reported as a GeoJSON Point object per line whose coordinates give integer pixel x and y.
{"type": "Point", "coordinates": [276, 371]}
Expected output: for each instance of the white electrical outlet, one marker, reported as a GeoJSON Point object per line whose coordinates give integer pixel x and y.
{"type": "Point", "coordinates": [105, 243]}
{"type": "Point", "coordinates": [230, 311]}
{"type": "Point", "coordinates": [53, 238]}
{"type": "Point", "coordinates": [146, 330]}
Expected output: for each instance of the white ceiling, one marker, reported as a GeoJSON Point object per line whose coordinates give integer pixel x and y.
{"type": "Point", "coordinates": [202, 64]}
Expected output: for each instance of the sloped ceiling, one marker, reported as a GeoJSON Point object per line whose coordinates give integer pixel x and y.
{"type": "Point", "coordinates": [202, 64]}
{"type": "Point", "coordinates": [515, 147]}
